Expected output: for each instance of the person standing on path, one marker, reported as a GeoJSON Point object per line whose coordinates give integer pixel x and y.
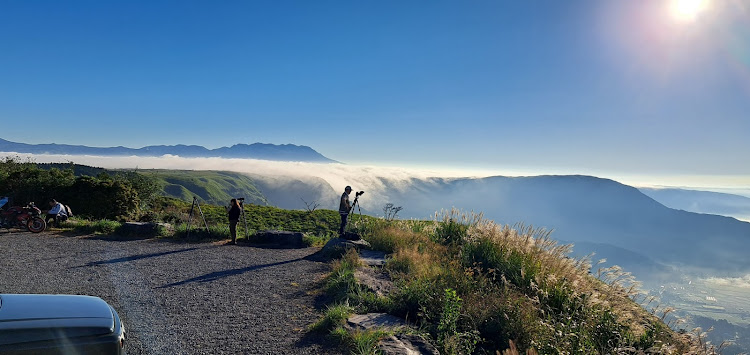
{"type": "Point", "coordinates": [234, 217]}
{"type": "Point", "coordinates": [344, 207]}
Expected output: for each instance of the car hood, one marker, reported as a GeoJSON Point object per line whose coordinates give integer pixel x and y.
{"type": "Point", "coordinates": [31, 318]}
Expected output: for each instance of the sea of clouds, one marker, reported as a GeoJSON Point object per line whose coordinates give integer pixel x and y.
{"type": "Point", "coordinates": [369, 178]}
{"type": "Point", "coordinates": [378, 181]}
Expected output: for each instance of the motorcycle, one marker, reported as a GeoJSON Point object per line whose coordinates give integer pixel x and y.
{"type": "Point", "coordinates": [28, 217]}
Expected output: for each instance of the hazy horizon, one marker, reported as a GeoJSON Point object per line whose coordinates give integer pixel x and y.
{"type": "Point", "coordinates": [344, 173]}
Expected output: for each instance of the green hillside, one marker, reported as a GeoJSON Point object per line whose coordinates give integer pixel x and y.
{"type": "Point", "coordinates": [216, 187]}
{"type": "Point", "coordinates": [213, 187]}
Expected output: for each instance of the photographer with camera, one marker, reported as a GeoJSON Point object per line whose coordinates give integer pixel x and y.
{"type": "Point", "coordinates": [345, 206]}
{"type": "Point", "coordinates": [234, 217]}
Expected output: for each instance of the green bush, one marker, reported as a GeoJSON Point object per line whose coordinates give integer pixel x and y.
{"type": "Point", "coordinates": [103, 197]}
{"type": "Point", "coordinates": [450, 232]}
{"type": "Point", "coordinates": [24, 182]}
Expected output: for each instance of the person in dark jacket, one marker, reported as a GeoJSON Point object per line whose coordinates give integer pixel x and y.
{"type": "Point", "coordinates": [345, 206]}
{"type": "Point", "coordinates": [234, 217]}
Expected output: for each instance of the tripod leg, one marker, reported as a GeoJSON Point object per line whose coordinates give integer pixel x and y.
{"type": "Point", "coordinates": [203, 216]}
{"type": "Point", "coordinates": [244, 219]}
{"type": "Point", "coordinates": [190, 217]}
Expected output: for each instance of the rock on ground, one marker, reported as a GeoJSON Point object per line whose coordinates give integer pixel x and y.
{"type": "Point", "coordinates": [376, 280]}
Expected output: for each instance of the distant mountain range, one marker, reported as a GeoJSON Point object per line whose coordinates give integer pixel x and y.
{"type": "Point", "coordinates": [702, 201]}
{"type": "Point", "coordinates": [283, 152]}
{"type": "Point", "coordinates": [617, 221]}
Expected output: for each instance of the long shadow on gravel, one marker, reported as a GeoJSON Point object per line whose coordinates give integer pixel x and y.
{"type": "Point", "coordinates": [226, 273]}
{"type": "Point", "coordinates": [133, 257]}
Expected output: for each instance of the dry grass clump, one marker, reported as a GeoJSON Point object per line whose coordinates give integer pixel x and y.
{"type": "Point", "coordinates": [395, 236]}
{"type": "Point", "coordinates": [476, 286]}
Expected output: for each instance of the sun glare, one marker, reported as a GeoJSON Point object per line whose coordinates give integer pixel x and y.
{"type": "Point", "coordinates": [687, 10]}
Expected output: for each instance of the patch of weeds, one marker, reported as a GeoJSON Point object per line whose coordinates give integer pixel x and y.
{"type": "Point", "coordinates": [198, 232]}
{"type": "Point", "coordinates": [449, 338]}
{"type": "Point", "coordinates": [335, 316]}
{"type": "Point", "coordinates": [366, 301]}
{"type": "Point", "coordinates": [365, 342]}
{"type": "Point", "coordinates": [341, 282]}
{"type": "Point", "coordinates": [101, 226]}
{"type": "Point", "coordinates": [316, 240]}
{"type": "Point", "coordinates": [360, 342]}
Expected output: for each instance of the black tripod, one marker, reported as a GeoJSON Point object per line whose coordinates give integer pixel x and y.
{"type": "Point", "coordinates": [190, 218]}
{"type": "Point", "coordinates": [242, 212]}
{"type": "Point", "coordinates": [351, 211]}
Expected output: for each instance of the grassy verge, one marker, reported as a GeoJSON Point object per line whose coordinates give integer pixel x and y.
{"type": "Point", "coordinates": [476, 287]}
{"type": "Point", "coordinates": [107, 227]}
{"type": "Point", "coordinates": [318, 226]}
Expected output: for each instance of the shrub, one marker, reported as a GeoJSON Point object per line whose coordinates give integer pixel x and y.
{"type": "Point", "coordinates": [450, 339]}
{"type": "Point", "coordinates": [102, 197]}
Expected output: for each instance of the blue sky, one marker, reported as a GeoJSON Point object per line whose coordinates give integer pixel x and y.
{"type": "Point", "coordinates": [617, 87]}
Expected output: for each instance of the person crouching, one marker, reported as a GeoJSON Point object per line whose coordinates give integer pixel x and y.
{"type": "Point", "coordinates": [56, 213]}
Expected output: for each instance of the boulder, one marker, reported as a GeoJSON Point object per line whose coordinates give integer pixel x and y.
{"type": "Point", "coordinates": [337, 246]}
{"type": "Point", "coordinates": [280, 238]}
{"type": "Point", "coordinates": [406, 344]}
{"type": "Point", "coordinates": [351, 236]}
{"type": "Point", "coordinates": [145, 229]}
{"type": "Point", "coordinates": [374, 321]}
{"type": "Point", "coordinates": [375, 279]}
{"type": "Point", "coordinates": [395, 344]}
{"type": "Point", "coordinates": [372, 257]}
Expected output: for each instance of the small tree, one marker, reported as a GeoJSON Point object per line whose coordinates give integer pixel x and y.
{"type": "Point", "coordinates": [390, 211]}
{"type": "Point", "coordinates": [310, 206]}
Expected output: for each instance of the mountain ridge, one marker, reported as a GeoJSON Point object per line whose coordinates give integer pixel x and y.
{"type": "Point", "coordinates": [262, 151]}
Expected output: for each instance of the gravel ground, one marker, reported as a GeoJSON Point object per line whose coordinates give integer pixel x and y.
{"type": "Point", "coordinates": [178, 298]}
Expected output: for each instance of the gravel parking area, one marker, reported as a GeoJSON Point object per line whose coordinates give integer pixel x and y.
{"type": "Point", "coordinates": [178, 298]}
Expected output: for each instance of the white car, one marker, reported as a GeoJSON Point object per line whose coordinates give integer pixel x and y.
{"type": "Point", "coordinates": [59, 324]}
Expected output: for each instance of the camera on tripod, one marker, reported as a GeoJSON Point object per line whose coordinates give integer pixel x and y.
{"type": "Point", "coordinates": [359, 193]}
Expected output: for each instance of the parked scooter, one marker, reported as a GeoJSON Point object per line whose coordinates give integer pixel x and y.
{"type": "Point", "coordinates": [28, 217]}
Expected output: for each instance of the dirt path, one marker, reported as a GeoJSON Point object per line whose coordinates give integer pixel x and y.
{"type": "Point", "coordinates": [178, 298]}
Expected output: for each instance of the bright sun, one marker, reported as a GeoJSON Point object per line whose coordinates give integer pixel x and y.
{"type": "Point", "coordinates": [687, 10]}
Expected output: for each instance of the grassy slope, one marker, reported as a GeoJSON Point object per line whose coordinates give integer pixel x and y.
{"type": "Point", "coordinates": [214, 187]}
{"type": "Point", "coordinates": [473, 286]}
{"type": "Point", "coordinates": [321, 223]}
